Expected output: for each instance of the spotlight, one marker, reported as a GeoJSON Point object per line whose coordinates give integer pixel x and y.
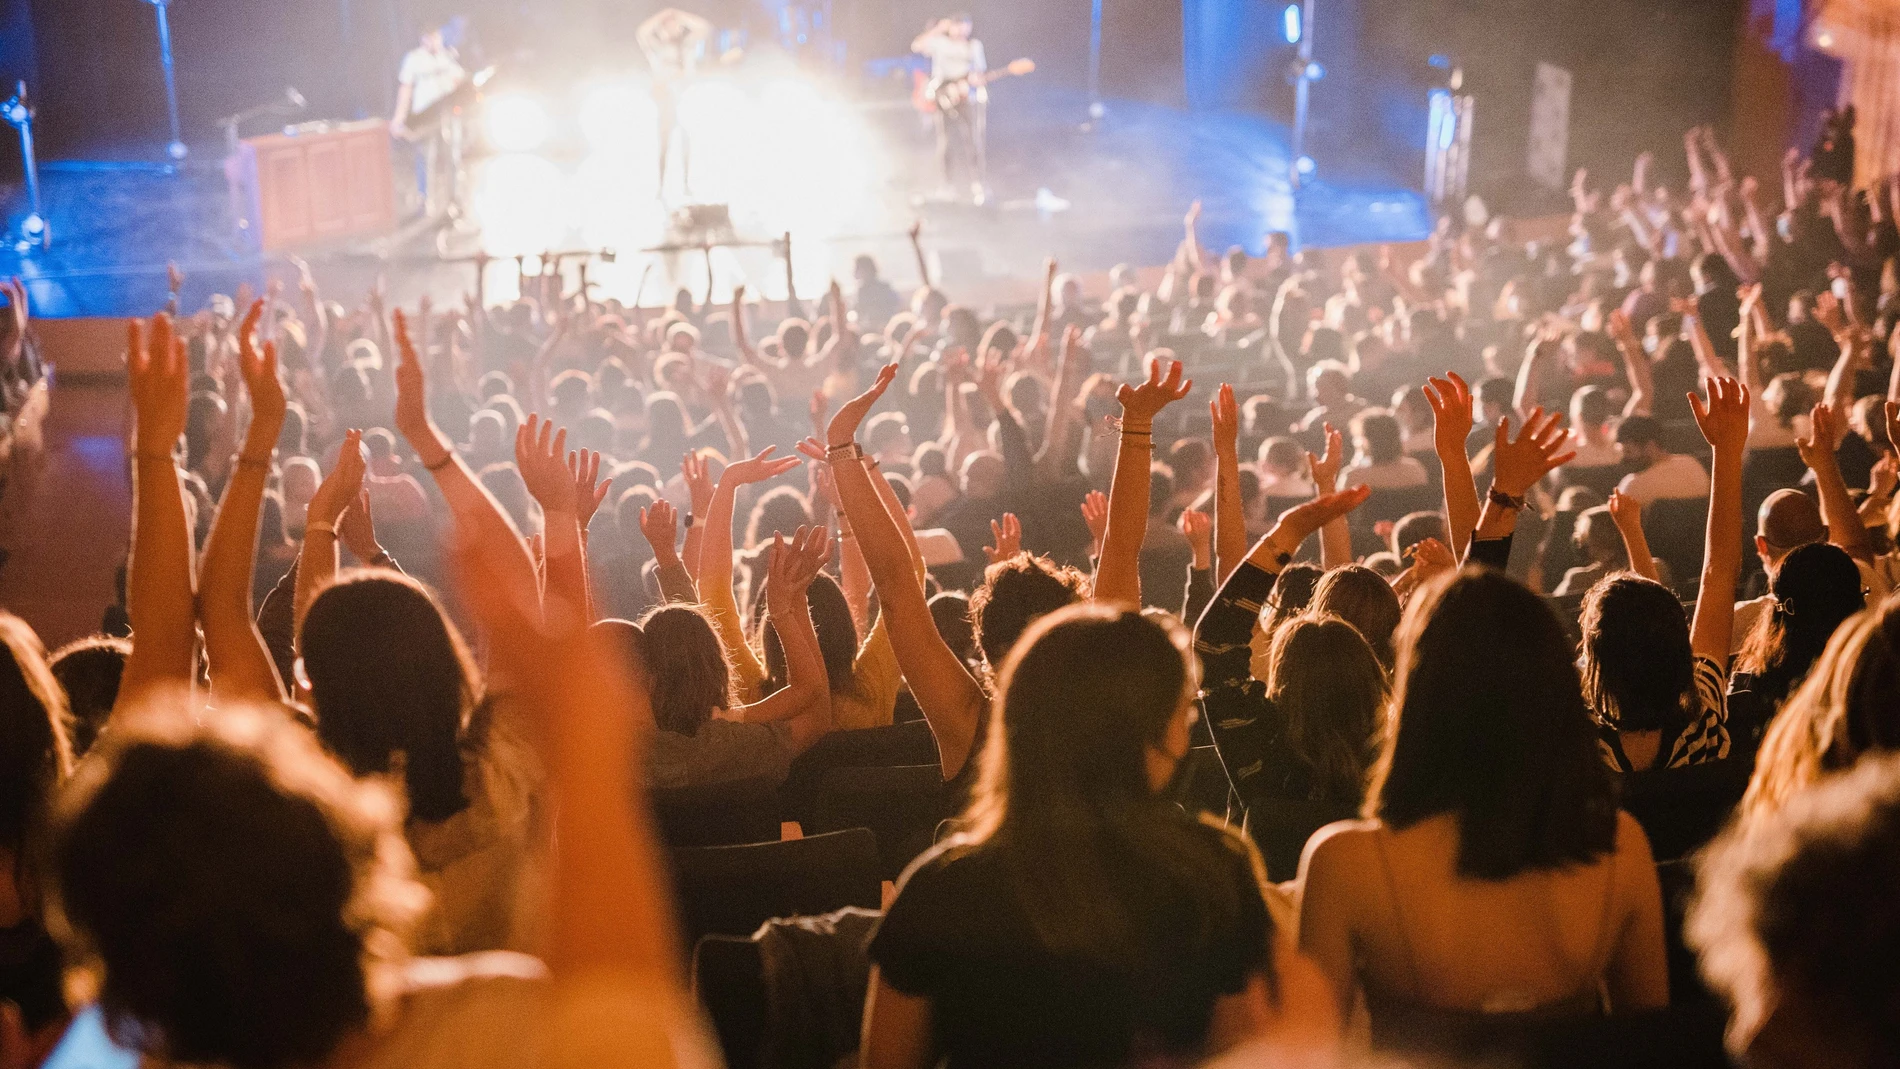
{"type": "Point", "coordinates": [516, 123]}
{"type": "Point", "coordinates": [1290, 24]}
{"type": "Point", "coordinates": [1304, 165]}
{"type": "Point", "coordinates": [522, 204]}
{"type": "Point", "coordinates": [619, 116]}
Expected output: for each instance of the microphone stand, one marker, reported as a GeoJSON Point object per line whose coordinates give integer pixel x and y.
{"type": "Point", "coordinates": [176, 149]}
{"type": "Point", "coordinates": [19, 114]}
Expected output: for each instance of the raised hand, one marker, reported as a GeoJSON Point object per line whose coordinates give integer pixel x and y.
{"type": "Point", "coordinates": [1226, 414]}
{"type": "Point", "coordinates": [259, 370]}
{"type": "Point", "coordinates": [583, 466]}
{"type": "Point", "coordinates": [1626, 511]}
{"type": "Point", "coordinates": [1818, 448]}
{"type": "Point", "coordinates": [1007, 533]}
{"type": "Point", "coordinates": [1891, 410]}
{"type": "Point", "coordinates": [1095, 514]}
{"type": "Point", "coordinates": [1723, 418]}
{"type": "Point", "coordinates": [659, 522]}
{"type": "Point", "coordinates": [1324, 469]}
{"type": "Point", "coordinates": [1431, 558]}
{"type": "Point", "coordinates": [356, 529]}
{"type": "Point", "coordinates": [1827, 312]}
{"type": "Point", "coordinates": [757, 468]}
{"type": "Point", "coordinates": [796, 563]}
{"type": "Point", "coordinates": [340, 488]}
{"type": "Point", "coordinates": [1452, 419]}
{"type": "Point", "coordinates": [843, 428]}
{"type": "Point", "coordinates": [699, 483]}
{"type": "Point", "coordinates": [1198, 526]}
{"type": "Point", "coordinates": [1517, 464]}
{"type": "Point", "coordinates": [412, 404]}
{"type": "Point", "coordinates": [819, 407]}
{"type": "Point", "coordinates": [155, 365]}
{"type": "Point", "coordinates": [540, 454]}
{"type": "Point", "coordinates": [1298, 523]}
{"type": "Point", "coordinates": [1164, 387]}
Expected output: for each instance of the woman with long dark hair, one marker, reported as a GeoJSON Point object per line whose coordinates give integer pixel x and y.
{"type": "Point", "coordinates": [1814, 589]}
{"type": "Point", "coordinates": [1492, 882]}
{"type": "Point", "coordinates": [1080, 918]}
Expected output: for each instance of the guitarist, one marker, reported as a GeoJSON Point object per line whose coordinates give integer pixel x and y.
{"type": "Point", "coordinates": [957, 66]}
{"type": "Point", "coordinates": [431, 73]}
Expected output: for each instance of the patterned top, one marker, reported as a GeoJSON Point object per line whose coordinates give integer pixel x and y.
{"type": "Point", "coordinates": [1700, 736]}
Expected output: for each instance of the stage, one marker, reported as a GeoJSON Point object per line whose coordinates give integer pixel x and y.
{"type": "Point", "coordinates": [842, 173]}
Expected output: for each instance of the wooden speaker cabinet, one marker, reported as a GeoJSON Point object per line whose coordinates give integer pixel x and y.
{"type": "Point", "coordinates": [319, 186]}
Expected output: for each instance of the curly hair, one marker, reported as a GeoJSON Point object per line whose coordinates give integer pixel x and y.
{"type": "Point", "coordinates": [1013, 594]}
{"type": "Point", "coordinates": [229, 892]}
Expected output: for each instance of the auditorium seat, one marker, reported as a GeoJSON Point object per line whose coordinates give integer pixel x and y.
{"type": "Point", "coordinates": [898, 744]}
{"type": "Point", "coordinates": [731, 890]}
{"type": "Point", "coordinates": [1681, 809]}
{"type": "Point", "coordinates": [820, 990]}
{"type": "Point", "coordinates": [718, 814]}
{"type": "Point", "coordinates": [901, 804]}
{"type": "Point", "coordinates": [1674, 528]}
{"type": "Point", "coordinates": [1200, 784]}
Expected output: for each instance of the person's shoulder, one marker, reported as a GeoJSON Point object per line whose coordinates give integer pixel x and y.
{"type": "Point", "coordinates": [955, 860]}
{"type": "Point", "coordinates": [1339, 844]}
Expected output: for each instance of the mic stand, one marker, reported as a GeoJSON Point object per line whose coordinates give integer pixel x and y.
{"type": "Point", "coordinates": [33, 229]}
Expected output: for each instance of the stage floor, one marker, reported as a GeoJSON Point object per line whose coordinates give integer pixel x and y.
{"type": "Point", "coordinates": [1092, 197]}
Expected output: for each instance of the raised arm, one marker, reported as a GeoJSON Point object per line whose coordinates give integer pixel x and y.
{"type": "Point", "coordinates": [1335, 539]}
{"type": "Point", "coordinates": [1452, 421]}
{"type": "Point", "coordinates": [1628, 514]}
{"type": "Point", "coordinates": [1852, 341]}
{"type": "Point", "coordinates": [1068, 405]}
{"type": "Point", "coordinates": [950, 697]}
{"type": "Point", "coordinates": [1723, 420]}
{"type": "Point", "coordinates": [336, 493]}
{"type": "Point", "coordinates": [697, 476]}
{"type": "Point", "coordinates": [1230, 521]}
{"type": "Point", "coordinates": [714, 579]}
{"type": "Point", "coordinates": [1818, 451]}
{"type": "Point", "coordinates": [611, 924]}
{"type": "Point", "coordinates": [478, 516]}
{"type": "Point", "coordinates": [1707, 356]}
{"type": "Point", "coordinates": [658, 523]}
{"type": "Point", "coordinates": [1516, 465]}
{"type": "Point", "coordinates": [1635, 365]}
{"type": "Point", "coordinates": [804, 703]}
{"type": "Point", "coordinates": [239, 663]}
{"type": "Point", "coordinates": [917, 250]}
{"type": "Point", "coordinates": [540, 454]}
{"type": "Point", "coordinates": [1118, 573]}
{"type": "Point", "coordinates": [158, 580]}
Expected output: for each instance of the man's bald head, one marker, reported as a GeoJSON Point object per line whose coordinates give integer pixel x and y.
{"type": "Point", "coordinates": [1788, 520]}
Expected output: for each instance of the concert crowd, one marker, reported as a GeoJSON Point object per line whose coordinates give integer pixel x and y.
{"type": "Point", "coordinates": [1371, 657]}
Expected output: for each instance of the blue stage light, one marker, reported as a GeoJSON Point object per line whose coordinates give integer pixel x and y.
{"type": "Point", "coordinates": [1290, 21]}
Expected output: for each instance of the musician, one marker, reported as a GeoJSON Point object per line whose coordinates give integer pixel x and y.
{"type": "Point", "coordinates": [430, 73]}
{"type": "Point", "coordinates": [957, 63]}
{"type": "Point", "coordinates": [674, 42]}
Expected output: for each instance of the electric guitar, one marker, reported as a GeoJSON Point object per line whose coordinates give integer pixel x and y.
{"type": "Point", "coordinates": [949, 94]}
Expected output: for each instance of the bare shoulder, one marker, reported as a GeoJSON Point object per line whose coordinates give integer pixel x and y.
{"type": "Point", "coordinates": [1338, 846]}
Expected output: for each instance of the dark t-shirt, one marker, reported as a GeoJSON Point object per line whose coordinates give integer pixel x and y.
{"type": "Point", "coordinates": [957, 936]}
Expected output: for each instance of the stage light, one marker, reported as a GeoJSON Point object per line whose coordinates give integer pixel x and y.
{"type": "Point", "coordinates": [714, 109]}
{"type": "Point", "coordinates": [1304, 165]}
{"type": "Point", "coordinates": [521, 202]}
{"type": "Point", "coordinates": [516, 123]}
{"type": "Point", "coordinates": [619, 116]}
{"type": "Point", "coordinates": [1314, 72]}
{"type": "Point", "coordinates": [1290, 22]}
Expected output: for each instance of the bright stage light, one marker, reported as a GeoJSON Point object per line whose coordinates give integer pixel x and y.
{"type": "Point", "coordinates": [522, 204]}
{"type": "Point", "coordinates": [516, 123]}
{"type": "Point", "coordinates": [619, 117]}
{"type": "Point", "coordinates": [1290, 23]}
{"type": "Point", "coordinates": [713, 109]}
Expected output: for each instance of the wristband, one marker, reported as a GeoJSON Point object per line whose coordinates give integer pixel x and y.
{"type": "Point", "coordinates": [1503, 500]}
{"type": "Point", "coordinates": [847, 451]}
{"type": "Point", "coordinates": [382, 559]}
